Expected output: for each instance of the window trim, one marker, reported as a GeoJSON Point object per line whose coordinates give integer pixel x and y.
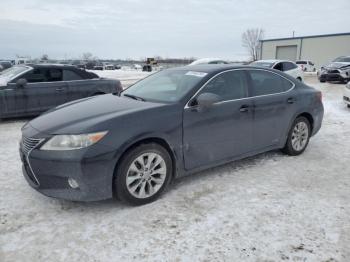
{"type": "Point", "coordinates": [249, 86]}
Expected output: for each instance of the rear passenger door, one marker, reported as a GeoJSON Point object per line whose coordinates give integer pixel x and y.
{"type": "Point", "coordinates": [274, 102]}
{"type": "Point", "coordinates": [78, 87]}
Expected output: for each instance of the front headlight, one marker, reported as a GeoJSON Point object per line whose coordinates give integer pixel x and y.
{"type": "Point", "coordinates": [72, 142]}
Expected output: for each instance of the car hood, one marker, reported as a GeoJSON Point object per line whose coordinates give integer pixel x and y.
{"type": "Point", "coordinates": [88, 115]}
{"type": "Point", "coordinates": [337, 65]}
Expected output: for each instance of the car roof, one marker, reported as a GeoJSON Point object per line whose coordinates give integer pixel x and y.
{"type": "Point", "coordinates": [216, 68]}
{"type": "Point", "coordinates": [52, 66]}
{"type": "Point", "coordinates": [273, 61]}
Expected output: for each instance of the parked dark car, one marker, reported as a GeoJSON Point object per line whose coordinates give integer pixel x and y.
{"type": "Point", "coordinates": [168, 125]}
{"type": "Point", "coordinates": [338, 70]}
{"type": "Point", "coordinates": [32, 89]}
{"type": "Point", "coordinates": [5, 65]}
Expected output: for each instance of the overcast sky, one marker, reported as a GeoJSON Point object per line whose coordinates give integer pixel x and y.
{"type": "Point", "coordinates": [169, 28]}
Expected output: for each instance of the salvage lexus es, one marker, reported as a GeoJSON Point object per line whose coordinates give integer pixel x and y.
{"type": "Point", "coordinates": [170, 124]}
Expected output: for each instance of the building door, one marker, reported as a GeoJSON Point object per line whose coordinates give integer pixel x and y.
{"type": "Point", "coordinates": [286, 52]}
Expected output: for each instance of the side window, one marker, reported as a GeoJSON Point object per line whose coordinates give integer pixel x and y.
{"type": "Point", "coordinates": [228, 86]}
{"type": "Point", "coordinates": [278, 67]}
{"type": "Point", "coordinates": [35, 76]}
{"type": "Point", "coordinates": [69, 75]}
{"type": "Point", "coordinates": [288, 66]}
{"type": "Point", "coordinates": [266, 83]}
{"type": "Point", "coordinates": [54, 75]}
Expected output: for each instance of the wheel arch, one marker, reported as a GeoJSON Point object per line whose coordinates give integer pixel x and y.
{"type": "Point", "coordinates": [309, 117]}
{"type": "Point", "coordinates": [147, 140]}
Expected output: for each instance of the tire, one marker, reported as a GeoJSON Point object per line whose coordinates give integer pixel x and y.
{"type": "Point", "coordinates": [299, 78]}
{"type": "Point", "coordinates": [134, 181]}
{"type": "Point", "coordinates": [322, 81]}
{"type": "Point", "coordinates": [298, 141]}
{"type": "Point", "coordinates": [346, 105]}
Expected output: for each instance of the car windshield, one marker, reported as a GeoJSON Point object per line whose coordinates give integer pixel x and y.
{"type": "Point", "coordinates": [263, 64]}
{"type": "Point", "coordinates": [166, 86]}
{"type": "Point", "coordinates": [12, 72]}
{"type": "Point", "coordinates": [342, 59]}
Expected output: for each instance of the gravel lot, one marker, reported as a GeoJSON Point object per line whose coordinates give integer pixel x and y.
{"type": "Point", "coordinates": [270, 207]}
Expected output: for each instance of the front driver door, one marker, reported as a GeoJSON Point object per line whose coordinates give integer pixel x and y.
{"type": "Point", "coordinates": [44, 90]}
{"type": "Point", "coordinates": [222, 131]}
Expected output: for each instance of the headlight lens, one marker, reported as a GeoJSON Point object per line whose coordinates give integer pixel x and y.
{"type": "Point", "coordinates": [72, 142]}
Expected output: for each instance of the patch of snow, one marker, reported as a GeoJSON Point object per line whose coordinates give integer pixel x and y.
{"type": "Point", "coordinates": [270, 207]}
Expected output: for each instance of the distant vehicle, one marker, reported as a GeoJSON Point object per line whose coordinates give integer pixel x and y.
{"type": "Point", "coordinates": [147, 68]}
{"type": "Point", "coordinates": [4, 65]}
{"type": "Point", "coordinates": [81, 66]}
{"type": "Point", "coordinates": [285, 66]}
{"type": "Point", "coordinates": [346, 96]}
{"type": "Point", "coordinates": [338, 70]}
{"type": "Point", "coordinates": [306, 65]}
{"type": "Point", "coordinates": [98, 67]}
{"type": "Point", "coordinates": [137, 66]}
{"type": "Point", "coordinates": [170, 124]}
{"type": "Point", "coordinates": [27, 90]}
{"type": "Point", "coordinates": [211, 61]}
{"type": "Point", "coordinates": [108, 67]}
{"type": "Point", "coordinates": [117, 67]}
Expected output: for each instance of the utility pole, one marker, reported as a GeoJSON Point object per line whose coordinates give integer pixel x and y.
{"type": "Point", "coordinates": [293, 33]}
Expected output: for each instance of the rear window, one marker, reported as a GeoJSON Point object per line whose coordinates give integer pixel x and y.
{"type": "Point", "coordinates": [267, 83]}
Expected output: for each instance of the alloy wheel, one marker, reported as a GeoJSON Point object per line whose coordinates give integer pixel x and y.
{"type": "Point", "coordinates": [146, 175]}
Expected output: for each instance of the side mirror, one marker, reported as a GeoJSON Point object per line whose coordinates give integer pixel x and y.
{"type": "Point", "coordinates": [21, 83]}
{"type": "Point", "coordinates": [206, 100]}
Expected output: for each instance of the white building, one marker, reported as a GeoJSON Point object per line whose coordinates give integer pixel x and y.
{"type": "Point", "coordinates": [319, 49]}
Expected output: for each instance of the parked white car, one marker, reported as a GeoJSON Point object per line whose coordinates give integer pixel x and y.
{"type": "Point", "coordinates": [346, 95]}
{"type": "Point", "coordinates": [211, 61]}
{"type": "Point", "coordinates": [306, 65]}
{"type": "Point", "coordinates": [285, 66]}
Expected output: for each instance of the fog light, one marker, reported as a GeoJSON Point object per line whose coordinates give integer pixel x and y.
{"type": "Point", "coordinates": [73, 183]}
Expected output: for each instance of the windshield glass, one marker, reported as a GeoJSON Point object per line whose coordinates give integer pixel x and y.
{"type": "Point", "coordinates": [262, 64]}
{"type": "Point", "coordinates": [14, 71]}
{"type": "Point", "coordinates": [342, 59]}
{"type": "Point", "coordinates": [166, 86]}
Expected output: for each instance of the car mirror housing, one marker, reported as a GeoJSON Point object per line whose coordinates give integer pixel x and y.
{"type": "Point", "coordinates": [207, 100]}
{"type": "Point", "coordinates": [21, 83]}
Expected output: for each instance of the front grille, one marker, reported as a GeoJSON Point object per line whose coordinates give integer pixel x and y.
{"type": "Point", "coordinates": [29, 143]}
{"type": "Point", "coordinates": [333, 71]}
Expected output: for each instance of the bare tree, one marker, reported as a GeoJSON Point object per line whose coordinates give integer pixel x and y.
{"type": "Point", "coordinates": [44, 58]}
{"type": "Point", "coordinates": [87, 56]}
{"type": "Point", "coordinates": [251, 40]}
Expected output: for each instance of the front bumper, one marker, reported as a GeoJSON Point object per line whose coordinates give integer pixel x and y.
{"type": "Point", "coordinates": [48, 172]}
{"type": "Point", "coordinates": [346, 96]}
{"type": "Point", "coordinates": [333, 77]}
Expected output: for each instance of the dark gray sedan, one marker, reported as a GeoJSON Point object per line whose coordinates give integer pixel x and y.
{"type": "Point", "coordinates": [28, 90]}
{"type": "Point", "coordinates": [168, 125]}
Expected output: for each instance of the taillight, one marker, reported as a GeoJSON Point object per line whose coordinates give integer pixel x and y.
{"type": "Point", "coordinates": [319, 96]}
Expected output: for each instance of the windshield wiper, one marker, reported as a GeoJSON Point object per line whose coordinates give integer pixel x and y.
{"type": "Point", "coordinates": [135, 97]}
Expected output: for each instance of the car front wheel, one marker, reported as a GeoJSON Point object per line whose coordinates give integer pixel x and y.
{"type": "Point", "coordinates": [143, 174]}
{"type": "Point", "coordinates": [298, 137]}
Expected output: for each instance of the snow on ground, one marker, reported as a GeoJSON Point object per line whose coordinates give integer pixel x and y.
{"type": "Point", "coordinates": [270, 207]}
{"type": "Point", "coordinates": [126, 77]}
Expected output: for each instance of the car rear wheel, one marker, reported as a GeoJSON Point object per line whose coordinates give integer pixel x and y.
{"type": "Point", "coordinates": [298, 137]}
{"type": "Point", "coordinates": [143, 174]}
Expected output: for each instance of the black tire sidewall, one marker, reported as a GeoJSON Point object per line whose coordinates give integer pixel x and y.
{"type": "Point", "coordinates": [121, 172]}
{"type": "Point", "coordinates": [288, 149]}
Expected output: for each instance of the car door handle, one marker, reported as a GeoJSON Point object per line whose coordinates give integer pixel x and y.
{"type": "Point", "coordinates": [291, 100]}
{"type": "Point", "coordinates": [244, 108]}
{"type": "Point", "coordinates": [59, 89]}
